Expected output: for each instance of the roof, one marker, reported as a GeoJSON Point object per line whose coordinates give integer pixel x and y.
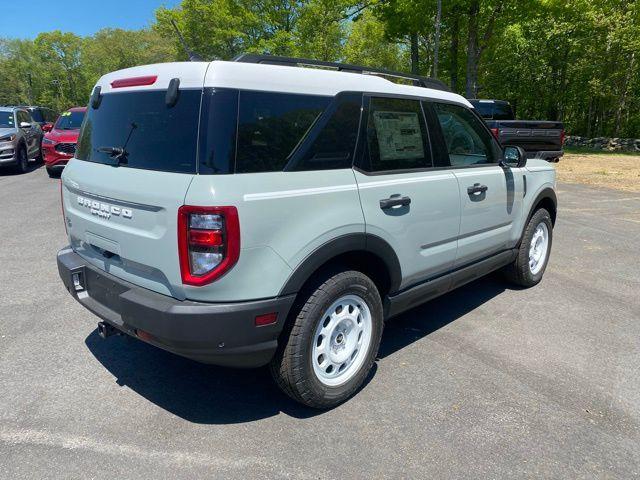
{"type": "Point", "coordinates": [77, 109]}
{"type": "Point", "coordinates": [265, 77]}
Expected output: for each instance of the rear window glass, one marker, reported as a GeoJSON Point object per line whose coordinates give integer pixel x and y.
{"type": "Point", "coordinates": [70, 120]}
{"type": "Point", "coordinates": [271, 126]}
{"type": "Point", "coordinates": [493, 110]}
{"type": "Point", "coordinates": [151, 135]}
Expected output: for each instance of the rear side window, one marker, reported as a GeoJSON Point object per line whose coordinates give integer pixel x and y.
{"type": "Point", "coordinates": [396, 136]}
{"type": "Point", "coordinates": [467, 140]}
{"type": "Point", "coordinates": [152, 135]}
{"type": "Point", "coordinates": [332, 141]}
{"type": "Point", "coordinates": [271, 126]}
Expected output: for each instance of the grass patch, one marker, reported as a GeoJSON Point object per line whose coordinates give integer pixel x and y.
{"type": "Point", "coordinates": [601, 169]}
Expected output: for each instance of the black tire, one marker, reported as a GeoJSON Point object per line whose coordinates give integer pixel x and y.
{"type": "Point", "coordinates": [292, 367]}
{"type": "Point", "coordinates": [53, 173]}
{"type": "Point", "coordinates": [40, 156]}
{"type": "Point", "coordinates": [519, 272]}
{"type": "Point", "coordinates": [23, 160]}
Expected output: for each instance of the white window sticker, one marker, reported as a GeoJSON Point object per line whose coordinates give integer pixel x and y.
{"type": "Point", "coordinates": [399, 135]}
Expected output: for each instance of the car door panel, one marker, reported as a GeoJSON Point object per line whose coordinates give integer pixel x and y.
{"type": "Point", "coordinates": [487, 217]}
{"type": "Point", "coordinates": [414, 208]}
{"type": "Point", "coordinates": [490, 194]}
{"type": "Point", "coordinates": [423, 233]}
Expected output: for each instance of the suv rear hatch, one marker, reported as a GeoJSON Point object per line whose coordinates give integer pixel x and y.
{"type": "Point", "coordinates": [136, 157]}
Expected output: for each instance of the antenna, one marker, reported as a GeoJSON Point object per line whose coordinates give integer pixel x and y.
{"type": "Point", "coordinates": [193, 57]}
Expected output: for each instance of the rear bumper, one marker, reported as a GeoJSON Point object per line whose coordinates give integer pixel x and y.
{"type": "Point", "coordinates": [549, 155]}
{"type": "Point", "coordinates": [215, 333]}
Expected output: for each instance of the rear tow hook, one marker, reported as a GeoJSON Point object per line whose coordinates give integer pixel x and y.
{"type": "Point", "coordinates": [105, 330]}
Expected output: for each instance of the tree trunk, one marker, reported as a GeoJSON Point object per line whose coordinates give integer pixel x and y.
{"type": "Point", "coordinates": [623, 95]}
{"type": "Point", "coordinates": [473, 51]}
{"type": "Point", "coordinates": [453, 50]}
{"type": "Point", "coordinates": [414, 53]}
{"type": "Point", "coordinates": [436, 47]}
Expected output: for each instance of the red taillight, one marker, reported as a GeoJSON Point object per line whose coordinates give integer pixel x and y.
{"type": "Point", "coordinates": [496, 133]}
{"type": "Point", "coordinates": [134, 81]}
{"type": "Point", "coordinates": [208, 242]}
{"type": "Point", "coordinates": [562, 135]}
{"type": "Point", "coordinates": [64, 220]}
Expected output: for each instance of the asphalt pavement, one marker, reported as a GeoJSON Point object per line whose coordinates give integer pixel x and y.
{"type": "Point", "coordinates": [485, 382]}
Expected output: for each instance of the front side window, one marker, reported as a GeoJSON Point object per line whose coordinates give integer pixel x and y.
{"type": "Point", "coordinates": [23, 117]}
{"type": "Point", "coordinates": [271, 126]}
{"type": "Point", "coordinates": [396, 136]}
{"type": "Point", "coordinates": [139, 130]}
{"type": "Point", "coordinates": [467, 141]}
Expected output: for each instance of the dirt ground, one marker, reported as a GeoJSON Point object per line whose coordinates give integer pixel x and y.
{"type": "Point", "coordinates": [611, 170]}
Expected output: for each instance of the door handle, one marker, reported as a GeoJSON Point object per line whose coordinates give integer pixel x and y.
{"type": "Point", "coordinates": [477, 188]}
{"type": "Point", "coordinates": [394, 201]}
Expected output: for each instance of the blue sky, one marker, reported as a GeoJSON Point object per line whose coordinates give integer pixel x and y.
{"type": "Point", "coordinates": [20, 19]}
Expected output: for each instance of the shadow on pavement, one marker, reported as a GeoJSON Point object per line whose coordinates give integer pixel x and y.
{"type": "Point", "coordinates": [214, 395]}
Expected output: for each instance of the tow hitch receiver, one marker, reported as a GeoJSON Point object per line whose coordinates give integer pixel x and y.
{"type": "Point", "coordinates": [105, 330]}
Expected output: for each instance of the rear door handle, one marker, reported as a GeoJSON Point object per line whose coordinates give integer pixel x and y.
{"type": "Point", "coordinates": [477, 188]}
{"type": "Point", "coordinates": [394, 201]}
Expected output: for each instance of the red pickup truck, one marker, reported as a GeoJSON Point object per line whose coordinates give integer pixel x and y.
{"type": "Point", "coordinates": [538, 138]}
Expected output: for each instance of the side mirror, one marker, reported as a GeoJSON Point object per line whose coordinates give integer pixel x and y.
{"type": "Point", "coordinates": [47, 127]}
{"type": "Point", "coordinates": [25, 125]}
{"type": "Point", "coordinates": [514, 157]}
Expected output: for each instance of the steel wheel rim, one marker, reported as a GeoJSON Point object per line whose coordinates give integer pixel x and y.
{"type": "Point", "coordinates": [538, 248]}
{"type": "Point", "coordinates": [342, 340]}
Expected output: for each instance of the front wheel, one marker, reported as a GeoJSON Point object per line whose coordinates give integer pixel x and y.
{"type": "Point", "coordinates": [23, 161]}
{"type": "Point", "coordinates": [331, 344]}
{"type": "Point", "coordinates": [533, 255]}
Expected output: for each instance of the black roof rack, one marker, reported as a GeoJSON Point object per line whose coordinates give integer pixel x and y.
{"type": "Point", "coordinates": [417, 80]}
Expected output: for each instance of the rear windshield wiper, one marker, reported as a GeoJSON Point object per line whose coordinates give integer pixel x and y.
{"type": "Point", "coordinates": [119, 154]}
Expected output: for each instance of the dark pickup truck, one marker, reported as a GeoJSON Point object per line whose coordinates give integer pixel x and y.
{"type": "Point", "coordinates": [538, 138]}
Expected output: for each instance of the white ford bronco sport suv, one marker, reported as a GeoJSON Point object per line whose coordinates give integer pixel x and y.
{"type": "Point", "coordinates": [263, 211]}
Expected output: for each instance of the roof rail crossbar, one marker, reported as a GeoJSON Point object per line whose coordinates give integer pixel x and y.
{"type": "Point", "coordinates": [417, 80]}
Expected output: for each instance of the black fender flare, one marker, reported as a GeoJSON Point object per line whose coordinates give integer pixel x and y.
{"type": "Point", "coordinates": [351, 242]}
{"type": "Point", "coordinates": [545, 193]}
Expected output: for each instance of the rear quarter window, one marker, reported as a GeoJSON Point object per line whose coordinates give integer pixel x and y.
{"type": "Point", "coordinates": [270, 127]}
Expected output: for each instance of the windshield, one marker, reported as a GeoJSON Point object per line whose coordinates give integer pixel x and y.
{"type": "Point", "coordinates": [70, 120]}
{"type": "Point", "coordinates": [139, 130]}
{"type": "Point", "coordinates": [6, 120]}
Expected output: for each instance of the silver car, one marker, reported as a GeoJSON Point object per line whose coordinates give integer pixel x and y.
{"type": "Point", "coordinates": [20, 138]}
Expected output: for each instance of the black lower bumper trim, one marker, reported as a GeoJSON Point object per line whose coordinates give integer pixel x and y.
{"type": "Point", "coordinates": [215, 333]}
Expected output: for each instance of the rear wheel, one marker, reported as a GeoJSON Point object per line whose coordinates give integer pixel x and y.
{"type": "Point", "coordinates": [332, 342]}
{"type": "Point", "coordinates": [533, 255]}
